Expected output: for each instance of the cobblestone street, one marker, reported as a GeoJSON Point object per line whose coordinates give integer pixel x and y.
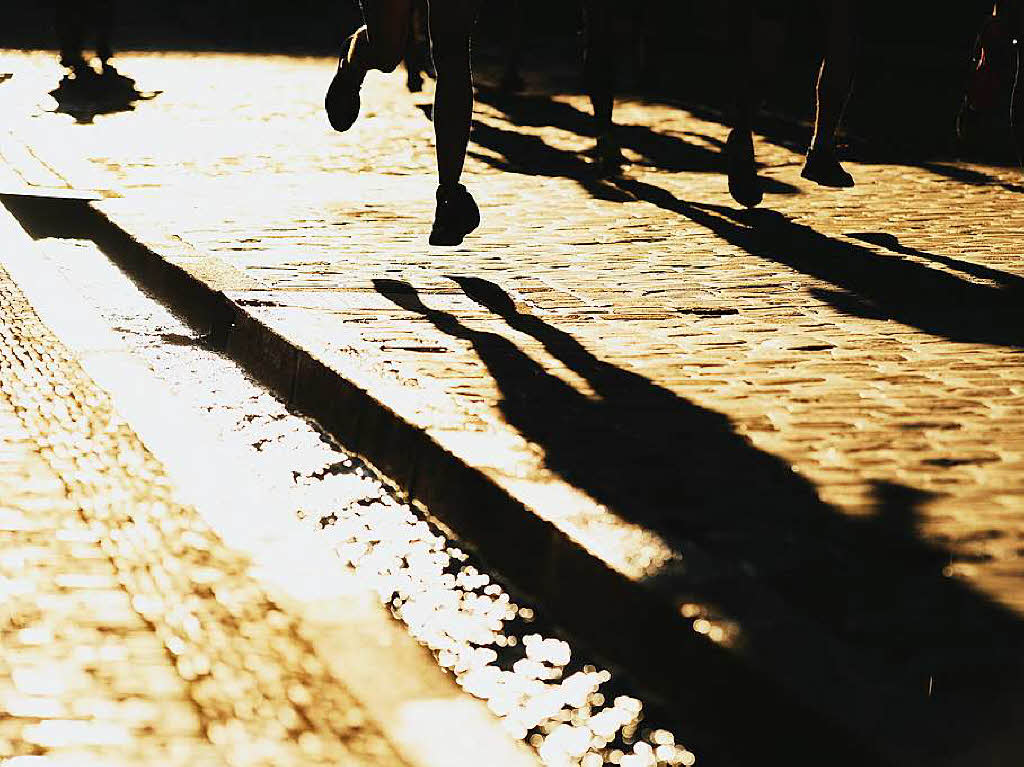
{"type": "Point", "coordinates": [823, 392]}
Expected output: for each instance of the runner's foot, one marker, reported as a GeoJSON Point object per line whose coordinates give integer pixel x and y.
{"type": "Point", "coordinates": [744, 185]}
{"type": "Point", "coordinates": [457, 215]}
{"type": "Point", "coordinates": [608, 154]}
{"type": "Point", "coordinates": [342, 100]}
{"type": "Point", "coordinates": [822, 167]}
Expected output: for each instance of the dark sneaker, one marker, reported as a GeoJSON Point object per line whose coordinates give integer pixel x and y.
{"type": "Point", "coordinates": [822, 167]}
{"type": "Point", "coordinates": [609, 156]}
{"type": "Point", "coordinates": [342, 100]}
{"type": "Point", "coordinates": [413, 81]}
{"type": "Point", "coordinates": [457, 215]}
{"type": "Point", "coordinates": [744, 185]}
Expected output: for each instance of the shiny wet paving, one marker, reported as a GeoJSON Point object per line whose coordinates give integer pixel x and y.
{"type": "Point", "coordinates": [568, 708]}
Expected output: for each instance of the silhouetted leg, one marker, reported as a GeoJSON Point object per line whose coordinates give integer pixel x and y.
{"type": "Point", "coordinates": [104, 20]}
{"type": "Point", "coordinates": [413, 60]}
{"type": "Point", "coordinates": [512, 46]}
{"type": "Point", "coordinates": [378, 44]}
{"type": "Point", "coordinates": [833, 90]}
{"type": "Point", "coordinates": [744, 185]}
{"type": "Point", "coordinates": [451, 23]}
{"type": "Point", "coordinates": [1015, 14]}
{"type": "Point", "coordinates": [69, 22]}
{"type": "Point", "coordinates": [599, 60]}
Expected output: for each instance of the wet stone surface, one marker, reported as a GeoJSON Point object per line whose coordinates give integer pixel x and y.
{"type": "Point", "coordinates": [569, 709]}
{"type": "Point", "coordinates": [130, 631]}
{"type": "Point", "coordinates": [856, 353]}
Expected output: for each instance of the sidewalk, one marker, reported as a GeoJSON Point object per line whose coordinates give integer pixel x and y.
{"type": "Point", "coordinates": [796, 437]}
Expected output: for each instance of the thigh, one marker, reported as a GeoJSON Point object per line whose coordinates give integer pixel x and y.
{"type": "Point", "coordinates": [451, 20]}
{"type": "Point", "coordinates": [387, 23]}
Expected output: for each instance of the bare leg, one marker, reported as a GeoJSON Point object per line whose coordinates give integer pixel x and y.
{"type": "Point", "coordinates": [599, 73]}
{"type": "Point", "coordinates": [104, 20]}
{"type": "Point", "coordinates": [744, 185]}
{"type": "Point", "coordinates": [834, 78]}
{"type": "Point", "coordinates": [833, 89]}
{"type": "Point", "coordinates": [451, 22]}
{"type": "Point", "coordinates": [378, 44]}
{"type": "Point", "coordinates": [69, 22]}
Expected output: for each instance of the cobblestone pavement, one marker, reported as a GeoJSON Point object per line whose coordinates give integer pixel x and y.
{"type": "Point", "coordinates": [637, 344]}
{"type": "Point", "coordinates": [132, 635]}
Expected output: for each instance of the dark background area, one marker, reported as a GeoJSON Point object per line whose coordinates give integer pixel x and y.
{"type": "Point", "coordinates": [913, 58]}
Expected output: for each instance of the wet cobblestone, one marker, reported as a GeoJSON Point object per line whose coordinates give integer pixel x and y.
{"type": "Point", "coordinates": [132, 635]}
{"type": "Point", "coordinates": [868, 340]}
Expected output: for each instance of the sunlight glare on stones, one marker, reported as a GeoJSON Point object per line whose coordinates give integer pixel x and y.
{"type": "Point", "coordinates": [484, 638]}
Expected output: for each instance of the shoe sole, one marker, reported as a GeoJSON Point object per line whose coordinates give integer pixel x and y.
{"type": "Point", "coordinates": [821, 181]}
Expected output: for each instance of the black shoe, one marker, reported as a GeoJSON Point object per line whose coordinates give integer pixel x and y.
{"type": "Point", "coordinates": [744, 185]}
{"type": "Point", "coordinates": [822, 167]}
{"type": "Point", "coordinates": [608, 155]}
{"type": "Point", "coordinates": [457, 215]}
{"type": "Point", "coordinates": [342, 100]}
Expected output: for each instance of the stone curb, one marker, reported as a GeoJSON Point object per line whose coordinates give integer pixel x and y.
{"type": "Point", "coordinates": [635, 622]}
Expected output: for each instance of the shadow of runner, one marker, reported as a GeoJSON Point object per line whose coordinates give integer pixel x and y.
{"type": "Point", "coordinates": [85, 94]}
{"type": "Point", "coordinates": [659, 460]}
{"type": "Point", "coordinates": [870, 284]}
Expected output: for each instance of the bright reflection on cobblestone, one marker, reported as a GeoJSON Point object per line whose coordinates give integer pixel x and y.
{"type": "Point", "coordinates": [477, 632]}
{"type": "Point", "coordinates": [571, 712]}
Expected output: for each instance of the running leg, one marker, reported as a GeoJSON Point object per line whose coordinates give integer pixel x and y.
{"type": "Point", "coordinates": [104, 19]}
{"type": "Point", "coordinates": [744, 185]}
{"type": "Point", "coordinates": [451, 23]}
{"type": "Point", "coordinates": [833, 90]}
{"type": "Point", "coordinates": [69, 21]}
{"type": "Point", "coordinates": [599, 59]}
{"type": "Point", "coordinates": [378, 44]}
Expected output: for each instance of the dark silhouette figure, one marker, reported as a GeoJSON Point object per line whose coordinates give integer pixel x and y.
{"type": "Point", "coordinates": [416, 59]}
{"type": "Point", "coordinates": [75, 21]}
{"type": "Point", "coordinates": [380, 44]}
{"type": "Point", "coordinates": [835, 78]}
{"type": "Point", "coordinates": [604, 46]}
{"type": "Point", "coordinates": [870, 584]}
{"type": "Point", "coordinates": [995, 87]}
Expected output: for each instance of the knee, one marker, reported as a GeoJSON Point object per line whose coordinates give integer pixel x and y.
{"type": "Point", "coordinates": [450, 53]}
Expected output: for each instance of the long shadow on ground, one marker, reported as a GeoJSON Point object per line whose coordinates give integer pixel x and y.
{"type": "Point", "coordinates": [526, 153]}
{"type": "Point", "coordinates": [660, 460]}
{"type": "Point", "coordinates": [673, 153]}
{"type": "Point", "coordinates": [867, 283]}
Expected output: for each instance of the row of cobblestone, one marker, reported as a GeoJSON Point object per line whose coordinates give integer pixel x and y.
{"type": "Point", "coordinates": [131, 634]}
{"type": "Point", "coordinates": [868, 340]}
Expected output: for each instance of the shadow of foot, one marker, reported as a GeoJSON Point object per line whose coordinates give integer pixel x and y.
{"type": "Point", "coordinates": [85, 93]}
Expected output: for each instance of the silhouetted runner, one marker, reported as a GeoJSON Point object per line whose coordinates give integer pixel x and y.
{"type": "Point", "coordinates": [74, 20]}
{"type": "Point", "coordinates": [835, 77]}
{"type": "Point", "coordinates": [380, 44]}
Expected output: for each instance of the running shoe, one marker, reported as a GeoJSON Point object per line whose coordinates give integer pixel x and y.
{"type": "Point", "coordinates": [342, 100]}
{"type": "Point", "coordinates": [457, 215]}
{"type": "Point", "coordinates": [822, 167]}
{"type": "Point", "coordinates": [744, 185]}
